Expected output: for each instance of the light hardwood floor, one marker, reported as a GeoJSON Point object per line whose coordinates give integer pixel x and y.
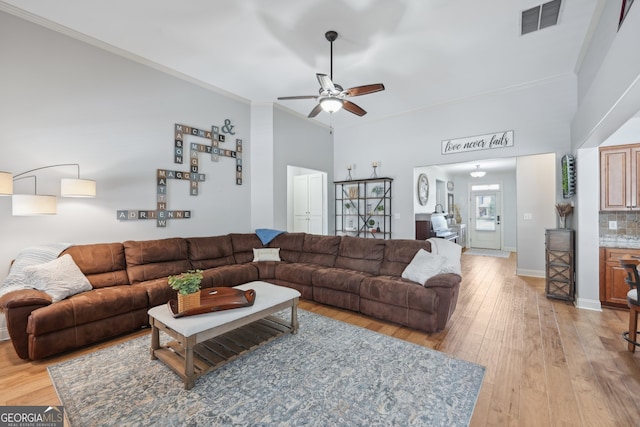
{"type": "Point", "coordinates": [547, 362]}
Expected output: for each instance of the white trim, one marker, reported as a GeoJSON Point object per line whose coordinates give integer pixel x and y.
{"type": "Point", "coordinates": [588, 304]}
{"type": "Point", "coordinates": [530, 273]}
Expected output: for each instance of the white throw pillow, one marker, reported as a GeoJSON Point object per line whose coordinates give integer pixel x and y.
{"type": "Point", "coordinates": [423, 266]}
{"type": "Point", "coordinates": [59, 278]}
{"type": "Point", "coordinates": [266, 254]}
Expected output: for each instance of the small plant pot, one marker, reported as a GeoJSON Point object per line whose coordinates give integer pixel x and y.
{"type": "Point", "coordinates": [189, 301]}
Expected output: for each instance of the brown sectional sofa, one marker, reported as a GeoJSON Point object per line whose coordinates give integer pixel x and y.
{"type": "Point", "coordinates": [362, 275]}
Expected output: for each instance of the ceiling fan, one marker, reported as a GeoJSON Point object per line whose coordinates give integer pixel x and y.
{"type": "Point", "coordinates": [332, 96]}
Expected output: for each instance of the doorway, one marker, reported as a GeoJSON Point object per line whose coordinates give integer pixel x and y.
{"type": "Point", "coordinates": [485, 227]}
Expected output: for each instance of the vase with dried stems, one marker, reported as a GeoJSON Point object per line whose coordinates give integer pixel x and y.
{"type": "Point", "coordinates": [564, 210]}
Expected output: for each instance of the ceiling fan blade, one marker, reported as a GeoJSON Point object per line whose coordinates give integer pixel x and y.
{"type": "Point", "coordinates": [299, 97]}
{"type": "Point", "coordinates": [325, 82]}
{"type": "Point", "coordinates": [316, 110]}
{"type": "Point", "coordinates": [353, 108]}
{"type": "Point", "coordinates": [364, 90]}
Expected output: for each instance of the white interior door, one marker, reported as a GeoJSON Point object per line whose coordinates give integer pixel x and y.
{"type": "Point", "coordinates": [485, 230]}
{"type": "Point", "coordinates": [308, 204]}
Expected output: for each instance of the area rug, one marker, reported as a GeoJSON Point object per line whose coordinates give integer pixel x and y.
{"type": "Point", "coordinates": [487, 252]}
{"type": "Point", "coordinates": [330, 374]}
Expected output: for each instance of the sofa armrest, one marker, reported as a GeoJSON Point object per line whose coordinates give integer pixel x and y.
{"type": "Point", "coordinates": [446, 280]}
{"type": "Point", "coordinates": [17, 307]}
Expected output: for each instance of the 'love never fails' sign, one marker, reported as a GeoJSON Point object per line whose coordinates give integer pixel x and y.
{"type": "Point", "coordinates": [481, 142]}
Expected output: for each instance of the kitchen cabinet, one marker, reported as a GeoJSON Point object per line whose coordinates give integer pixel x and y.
{"type": "Point", "coordinates": [560, 263]}
{"type": "Point", "coordinates": [620, 178]}
{"type": "Point", "coordinates": [613, 288]}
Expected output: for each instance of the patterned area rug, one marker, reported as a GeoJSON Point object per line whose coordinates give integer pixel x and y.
{"type": "Point", "coordinates": [330, 373]}
{"type": "Point", "coordinates": [487, 252]}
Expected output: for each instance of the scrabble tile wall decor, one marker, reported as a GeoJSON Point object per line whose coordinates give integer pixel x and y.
{"type": "Point", "coordinates": [161, 214]}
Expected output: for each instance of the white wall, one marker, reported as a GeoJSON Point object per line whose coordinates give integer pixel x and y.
{"type": "Point", "coordinates": [66, 101]}
{"type": "Point", "coordinates": [302, 143]}
{"type": "Point", "coordinates": [536, 180]}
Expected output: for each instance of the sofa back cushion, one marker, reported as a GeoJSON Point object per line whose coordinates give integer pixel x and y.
{"type": "Point", "coordinates": [290, 245]}
{"type": "Point", "coordinates": [209, 252]}
{"type": "Point", "coordinates": [356, 253]}
{"type": "Point", "coordinates": [398, 254]}
{"type": "Point", "coordinates": [320, 250]}
{"type": "Point", "coordinates": [152, 259]}
{"type": "Point", "coordinates": [103, 263]}
{"type": "Point", "coordinates": [243, 246]}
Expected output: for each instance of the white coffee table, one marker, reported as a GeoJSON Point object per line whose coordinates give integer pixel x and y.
{"type": "Point", "coordinates": [207, 341]}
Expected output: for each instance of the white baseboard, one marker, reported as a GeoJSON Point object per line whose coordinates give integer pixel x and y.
{"type": "Point", "coordinates": [530, 273]}
{"type": "Point", "coordinates": [588, 304]}
{"type": "Point", "coordinates": [509, 249]}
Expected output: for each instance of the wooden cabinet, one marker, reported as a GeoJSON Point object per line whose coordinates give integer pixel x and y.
{"type": "Point", "coordinates": [363, 208]}
{"type": "Point", "coordinates": [620, 177]}
{"type": "Point", "coordinates": [560, 263]}
{"type": "Point", "coordinates": [613, 288]}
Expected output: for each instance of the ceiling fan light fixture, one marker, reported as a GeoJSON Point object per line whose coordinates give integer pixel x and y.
{"type": "Point", "coordinates": [331, 105]}
{"type": "Point", "coordinates": [477, 173]}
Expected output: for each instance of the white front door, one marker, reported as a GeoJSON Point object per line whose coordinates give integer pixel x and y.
{"type": "Point", "coordinates": [484, 221]}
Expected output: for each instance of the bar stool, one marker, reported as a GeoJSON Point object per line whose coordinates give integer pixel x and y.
{"type": "Point", "coordinates": [630, 266]}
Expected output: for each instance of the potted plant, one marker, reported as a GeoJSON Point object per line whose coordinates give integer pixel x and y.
{"type": "Point", "coordinates": [377, 190]}
{"type": "Point", "coordinates": [348, 206]}
{"type": "Point", "coordinates": [188, 286]}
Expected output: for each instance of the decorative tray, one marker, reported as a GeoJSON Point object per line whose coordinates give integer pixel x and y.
{"type": "Point", "coordinates": [216, 299]}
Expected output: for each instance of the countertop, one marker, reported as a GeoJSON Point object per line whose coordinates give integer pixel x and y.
{"type": "Point", "coordinates": [615, 241]}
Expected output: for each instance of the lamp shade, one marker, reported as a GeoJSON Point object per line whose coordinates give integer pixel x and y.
{"type": "Point", "coordinates": [33, 204]}
{"type": "Point", "coordinates": [331, 105]}
{"type": "Point", "coordinates": [72, 187]}
{"type": "Point", "coordinates": [6, 184]}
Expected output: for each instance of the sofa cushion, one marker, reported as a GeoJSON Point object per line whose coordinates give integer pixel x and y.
{"type": "Point", "coordinates": [209, 252]}
{"type": "Point", "coordinates": [290, 245]}
{"type": "Point", "coordinates": [231, 275]}
{"type": "Point", "coordinates": [153, 259]}
{"type": "Point", "coordinates": [423, 266]}
{"type": "Point", "coordinates": [320, 250]}
{"type": "Point", "coordinates": [243, 245]}
{"type": "Point", "coordinates": [399, 253]}
{"type": "Point", "coordinates": [59, 278]}
{"type": "Point", "coordinates": [296, 272]}
{"type": "Point", "coordinates": [104, 264]}
{"type": "Point", "coordinates": [87, 307]}
{"type": "Point", "coordinates": [399, 293]}
{"type": "Point", "coordinates": [356, 253]}
{"type": "Point", "coordinates": [340, 279]}
{"type": "Point", "coordinates": [266, 254]}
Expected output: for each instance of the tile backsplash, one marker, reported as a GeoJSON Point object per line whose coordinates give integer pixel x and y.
{"type": "Point", "coordinates": [628, 224]}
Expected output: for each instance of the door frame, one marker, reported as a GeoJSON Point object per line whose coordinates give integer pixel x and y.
{"type": "Point", "coordinates": [499, 210]}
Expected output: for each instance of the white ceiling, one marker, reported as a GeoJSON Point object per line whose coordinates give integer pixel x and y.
{"type": "Point", "coordinates": [426, 52]}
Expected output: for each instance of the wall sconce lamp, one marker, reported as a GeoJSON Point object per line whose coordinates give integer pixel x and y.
{"type": "Point", "coordinates": [40, 204]}
{"type": "Point", "coordinates": [477, 173]}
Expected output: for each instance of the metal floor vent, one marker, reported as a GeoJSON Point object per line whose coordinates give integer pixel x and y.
{"type": "Point", "coordinates": [540, 17]}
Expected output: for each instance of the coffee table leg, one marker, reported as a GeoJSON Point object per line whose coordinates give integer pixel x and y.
{"type": "Point", "coordinates": [189, 371]}
{"type": "Point", "coordinates": [294, 316]}
{"type": "Point", "coordinates": [155, 339]}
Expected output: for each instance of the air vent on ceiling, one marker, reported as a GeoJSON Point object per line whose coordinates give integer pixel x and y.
{"type": "Point", "coordinates": [540, 17]}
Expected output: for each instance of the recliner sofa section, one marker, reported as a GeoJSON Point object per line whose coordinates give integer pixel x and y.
{"type": "Point", "coordinates": [361, 275]}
